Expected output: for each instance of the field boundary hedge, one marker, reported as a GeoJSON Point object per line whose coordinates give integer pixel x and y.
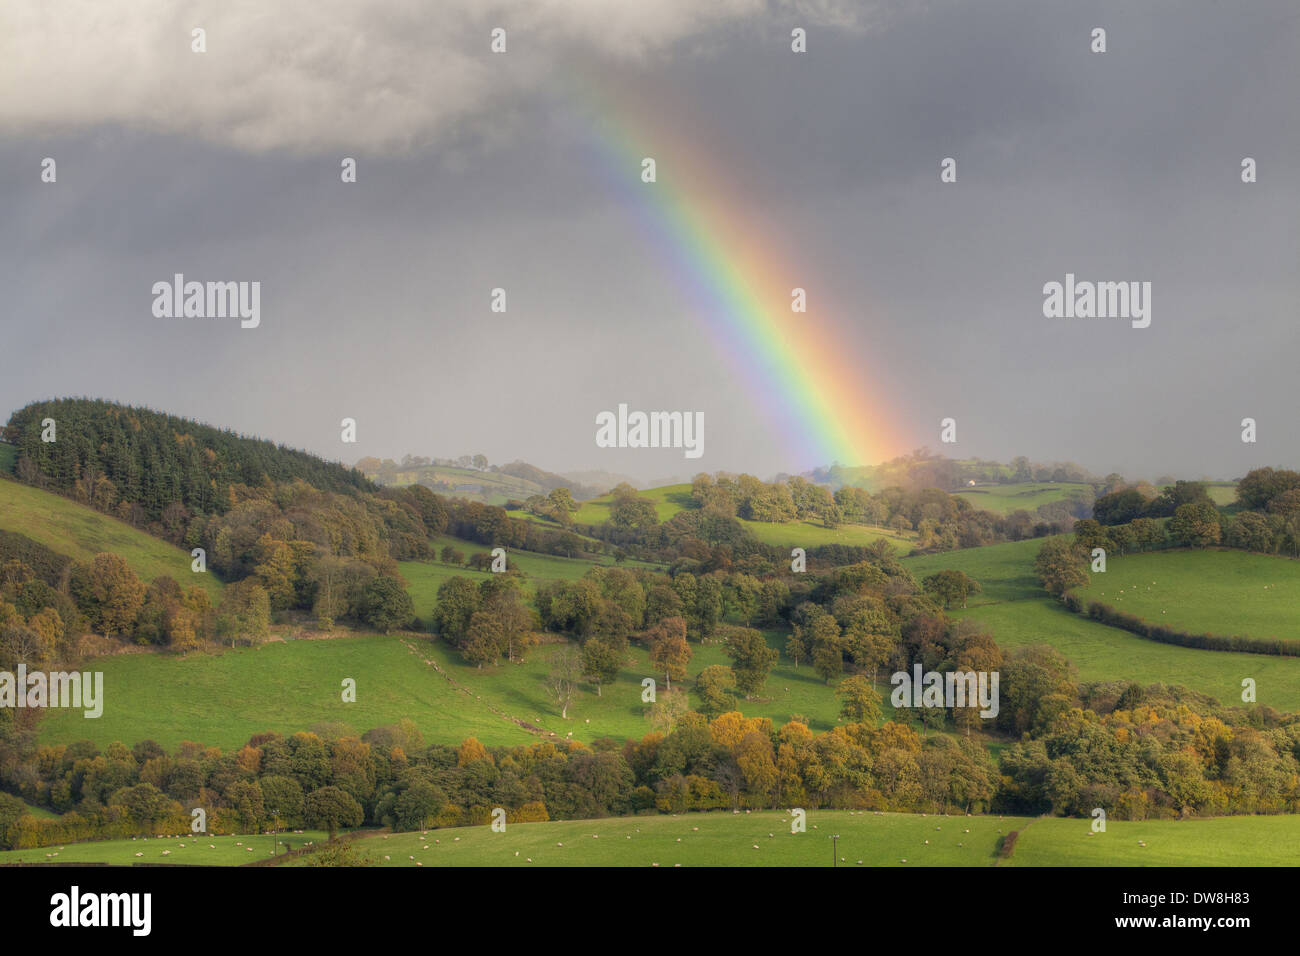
{"type": "Point", "coordinates": [1238, 643]}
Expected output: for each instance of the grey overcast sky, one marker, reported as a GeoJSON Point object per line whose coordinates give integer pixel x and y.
{"type": "Point", "coordinates": [476, 170]}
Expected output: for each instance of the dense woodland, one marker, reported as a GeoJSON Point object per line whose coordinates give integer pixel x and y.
{"type": "Point", "coordinates": [112, 454]}
{"type": "Point", "coordinates": [1265, 517]}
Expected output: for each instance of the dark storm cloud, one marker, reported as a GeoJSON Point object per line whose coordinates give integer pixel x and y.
{"type": "Point", "coordinates": [1115, 166]}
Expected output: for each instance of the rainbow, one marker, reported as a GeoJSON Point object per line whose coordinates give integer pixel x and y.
{"type": "Point", "coordinates": [794, 366]}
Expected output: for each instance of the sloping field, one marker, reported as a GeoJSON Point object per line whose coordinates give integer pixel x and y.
{"type": "Point", "coordinates": [1219, 841]}
{"type": "Point", "coordinates": [668, 500]}
{"type": "Point", "coordinates": [489, 487]}
{"type": "Point", "coordinates": [1107, 653]}
{"type": "Point", "coordinates": [185, 850]}
{"type": "Point", "coordinates": [82, 533]}
{"type": "Point", "coordinates": [1019, 613]}
{"type": "Point", "coordinates": [1027, 495]}
{"type": "Point", "coordinates": [425, 577]}
{"type": "Point", "coordinates": [706, 839]}
{"type": "Point", "coordinates": [810, 534]}
{"type": "Point", "coordinates": [1005, 571]}
{"type": "Point", "coordinates": [223, 699]}
{"type": "Point", "coordinates": [1222, 592]}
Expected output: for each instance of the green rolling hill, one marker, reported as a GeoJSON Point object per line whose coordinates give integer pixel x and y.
{"type": "Point", "coordinates": [81, 532]}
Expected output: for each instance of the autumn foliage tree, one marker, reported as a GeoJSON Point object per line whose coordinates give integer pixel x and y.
{"type": "Point", "coordinates": [386, 605]}
{"type": "Point", "coordinates": [751, 659]}
{"type": "Point", "coordinates": [860, 702]}
{"type": "Point", "coordinates": [330, 808]}
{"type": "Point", "coordinates": [1061, 565]}
{"type": "Point", "coordinates": [951, 587]}
{"type": "Point", "coordinates": [245, 611]}
{"type": "Point", "coordinates": [669, 650]}
{"type": "Point", "coordinates": [602, 658]}
{"type": "Point", "coordinates": [1195, 525]}
{"type": "Point", "coordinates": [713, 685]}
{"type": "Point", "coordinates": [108, 593]}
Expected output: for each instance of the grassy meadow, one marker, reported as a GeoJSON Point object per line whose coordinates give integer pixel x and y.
{"type": "Point", "coordinates": [494, 488]}
{"type": "Point", "coordinates": [758, 838]}
{"type": "Point", "coordinates": [184, 850]}
{"type": "Point", "coordinates": [1206, 591]}
{"type": "Point", "coordinates": [81, 533]}
{"type": "Point", "coordinates": [763, 838]}
{"type": "Point", "coordinates": [1023, 495]}
{"type": "Point", "coordinates": [668, 500]}
{"type": "Point", "coordinates": [425, 577]}
{"type": "Point", "coordinates": [1016, 610]}
{"type": "Point", "coordinates": [1221, 492]}
{"type": "Point", "coordinates": [1218, 841]}
{"type": "Point", "coordinates": [810, 534]}
{"type": "Point", "coordinates": [223, 698]}
{"type": "Point", "coordinates": [1005, 571]}
{"type": "Point", "coordinates": [671, 499]}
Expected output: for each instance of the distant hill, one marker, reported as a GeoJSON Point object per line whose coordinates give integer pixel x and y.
{"type": "Point", "coordinates": [604, 480]}
{"type": "Point", "coordinates": [547, 479]}
{"type": "Point", "coordinates": [668, 501]}
{"type": "Point", "coordinates": [494, 485]}
{"type": "Point", "coordinates": [153, 459]}
{"type": "Point", "coordinates": [921, 469]}
{"type": "Point", "coordinates": [1029, 496]}
{"type": "Point", "coordinates": [487, 487]}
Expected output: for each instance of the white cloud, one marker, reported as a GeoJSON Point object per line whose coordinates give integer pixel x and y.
{"type": "Point", "coordinates": [371, 76]}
